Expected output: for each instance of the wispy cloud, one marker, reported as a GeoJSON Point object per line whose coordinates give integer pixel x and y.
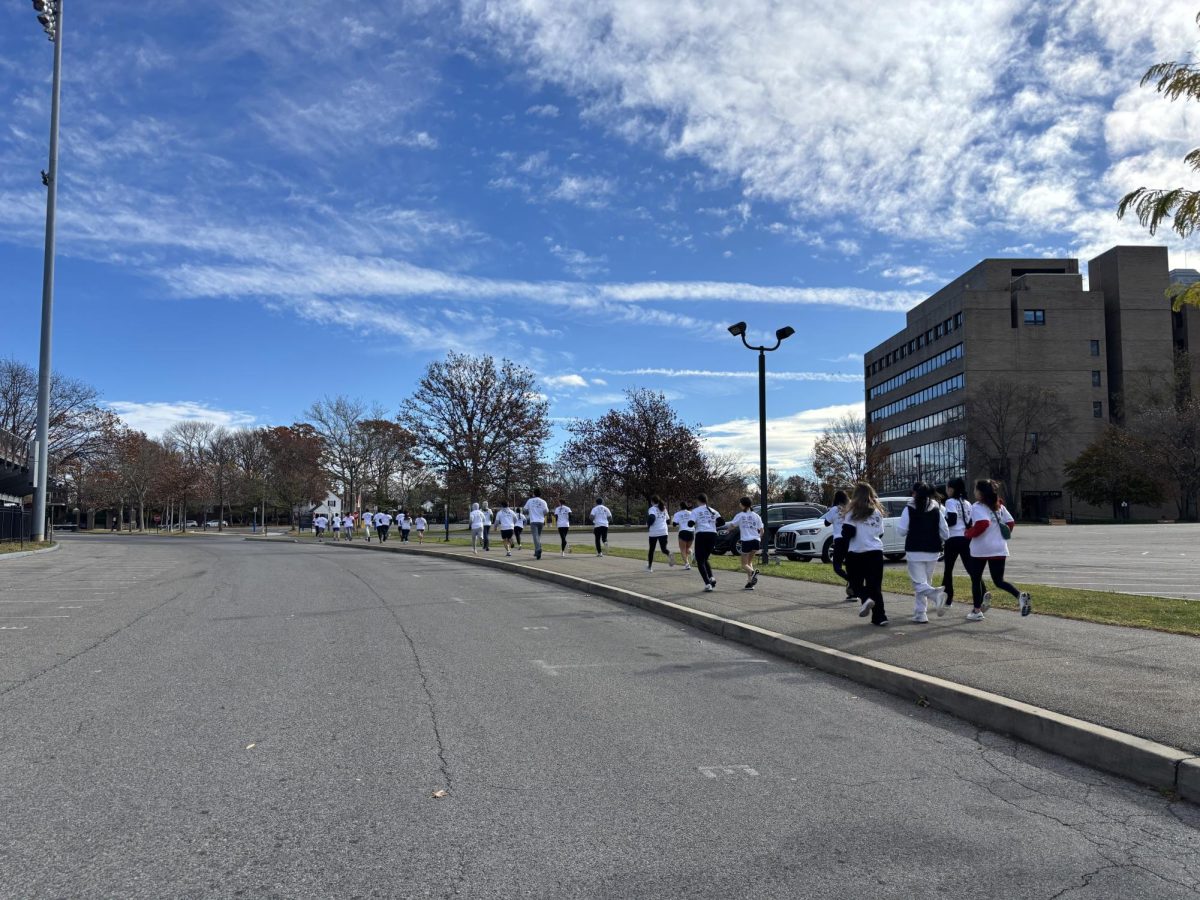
{"type": "Point", "coordinates": [544, 110]}
{"type": "Point", "coordinates": [790, 439]}
{"type": "Point", "coordinates": [832, 377]}
{"type": "Point", "coordinates": [565, 381]}
{"type": "Point", "coordinates": [156, 417]}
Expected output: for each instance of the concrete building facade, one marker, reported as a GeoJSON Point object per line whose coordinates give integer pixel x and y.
{"type": "Point", "coordinates": [956, 393]}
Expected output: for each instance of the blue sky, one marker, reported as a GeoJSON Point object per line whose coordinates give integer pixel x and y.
{"type": "Point", "coordinates": [262, 203]}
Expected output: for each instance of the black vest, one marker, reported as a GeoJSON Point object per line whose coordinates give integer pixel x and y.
{"type": "Point", "coordinates": [923, 532]}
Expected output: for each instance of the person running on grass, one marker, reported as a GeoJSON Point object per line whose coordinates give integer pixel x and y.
{"type": "Point", "coordinates": [421, 525]}
{"type": "Point", "coordinates": [658, 521]}
{"type": "Point", "coordinates": [505, 519]}
{"type": "Point", "coordinates": [750, 532]}
{"type": "Point", "coordinates": [924, 529]}
{"type": "Point", "coordinates": [863, 530]}
{"type": "Point", "coordinates": [476, 527]}
{"type": "Point", "coordinates": [991, 527]}
{"type": "Point", "coordinates": [705, 521]}
{"type": "Point", "coordinates": [686, 536]}
{"type": "Point", "coordinates": [958, 545]}
{"type": "Point", "coordinates": [834, 516]}
{"type": "Point", "coordinates": [600, 515]}
{"type": "Point", "coordinates": [562, 515]}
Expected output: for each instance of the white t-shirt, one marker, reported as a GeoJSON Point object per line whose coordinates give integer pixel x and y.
{"type": "Point", "coordinates": [537, 509]}
{"type": "Point", "coordinates": [835, 517]}
{"type": "Point", "coordinates": [487, 516]}
{"type": "Point", "coordinates": [520, 519]}
{"type": "Point", "coordinates": [505, 518]}
{"type": "Point", "coordinates": [990, 543]}
{"type": "Point", "coordinates": [420, 523]}
{"type": "Point", "coordinates": [868, 534]}
{"type": "Point", "coordinates": [368, 519]}
{"type": "Point", "coordinates": [320, 522]}
{"type": "Point", "coordinates": [705, 518]}
{"type": "Point", "coordinates": [749, 525]}
{"type": "Point", "coordinates": [963, 512]}
{"type": "Point", "coordinates": [337, 523]}
{"type": "Point", "coordinates": [601, 516]}
{"type": "Point", "coordinates": [563, 513]}
{"type": "Point", "coordinates": [382, 518]}
{"type": "Point", "coordinates": [681, 519]}
{"type": "Point", "coordinates": [477, 518]}
{"type": "Point", "coordinates": [661, 523]}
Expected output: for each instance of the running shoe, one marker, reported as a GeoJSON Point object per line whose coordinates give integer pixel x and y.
{"type": "Point", "coordinates": [987, 602]}
{"type": "Point", "coordinates": [1026, 603]}
{"type": "Point", "coordinates": [687, 567]}
{"type": "Point", "coordinates": [921, 619]}
{"type": "Point", "coordinates": [598, 555]}
{"type": "Point", "coordinates": [865, 609]}
{"type": "Point", "coordinates": [508, 553]}
{"type": "Point", "coordinates": [670, 562]}
{"type": "Point", "coordinates": [754, 577]}
{"type": "Point", "coordinates": [939, 603]}
{"type": "Point", "coordinates": [882, 623]}
{"type": "Point", "coordinates": [849, 592]}
{"type": "Point", "coordinates": [749, 586]}
{"type": "Point", "coordinates": [649, 568]}
{"type": "Point", "coordinates": [974, 616]}
{"type": "Point", "coordinates": [709, 587]}
{"type": "Point", "coordinates": [713, 582]}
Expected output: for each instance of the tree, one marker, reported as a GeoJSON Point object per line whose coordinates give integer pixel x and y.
{"type": "Point", "coordinates": [800, 488]}
{"type": "Point", "coordinates": [294, 465]}
{"type": "Point", "coordinates": [221, 464]}
{"type": "Point", "coordinates": [470, 416]}
{"type": "Point", "coordinates": [1113, 469]}
{"type": "Point", "coordinates": [137, 461]}
{"type": "Point", "coordinates": [642, 450]}
{"type": "Point", "coordinates": [390, 462]}
{"type": "Point", "coordinates": [1153, 206]}
{"type": "Point", "coordinates": [846, 453]}
{"type": "Point", "coordinates": [338, 422]}
{"type": "Point", "coordinates": [1014, 426]}
{"type": "Point", "coordinates": [1168, 421]}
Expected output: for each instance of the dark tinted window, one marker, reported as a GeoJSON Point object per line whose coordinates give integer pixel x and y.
{"type": "Point", "coordinates": [895, 508]}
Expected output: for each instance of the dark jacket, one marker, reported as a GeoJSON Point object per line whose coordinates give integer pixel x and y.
{"type": "Point", "coordinates": [924, 534]}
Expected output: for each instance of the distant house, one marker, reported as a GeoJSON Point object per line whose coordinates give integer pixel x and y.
{"type": "Point", "coordinates": [329, 507]}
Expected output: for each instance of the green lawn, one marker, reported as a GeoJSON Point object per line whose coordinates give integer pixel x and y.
{"type": "Point", "coordinates": [17, 547]}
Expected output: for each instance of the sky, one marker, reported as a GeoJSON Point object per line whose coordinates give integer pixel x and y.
{"type": "Point", "coordinates": [264, 203]}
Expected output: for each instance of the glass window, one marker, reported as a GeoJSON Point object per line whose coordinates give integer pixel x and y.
{"type": "Point", "coordinates": [937, 330]}
{"type": "Point", "coordinates": [1097, 410]}
{"type": "Point", "coordinates": [1035, 317]}
{"type": "Point", "coordinates": [1033, 441]}
{"type": "Point", "coordinates": [1095, 378]}
{"type": "Point", "coordinates": [1095, 348]}
{"type": "Point", "coordinates": [958, 320]}
{"type": "Point", "coordinates": [775, 514]}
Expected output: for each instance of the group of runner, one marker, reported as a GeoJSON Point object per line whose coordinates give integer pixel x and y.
{"type": "Point", "coordinates": [342, 527]}
{"type": "Point", "coordinates": [974, 531]}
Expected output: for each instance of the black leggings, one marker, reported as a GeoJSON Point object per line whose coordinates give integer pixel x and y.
{"type": "Point", "coordinates": [705, 541]}
{"type": "Point", "coordinates": [517, 535]}
{"type": "Point", "coordinates": [866, 578]}
{"type": "Point", "coordinates": [661, 541]}
{"type": "Point", "coordinates": [839, 558]}
{"type": "Point", "coordinates": [562, 536]}
{"type": "Point", "coordinates": [995, 567]}
{"type": "Point", "coordinates": [601, 533]}
{"type": "Point", "coordinates": [956, 548]}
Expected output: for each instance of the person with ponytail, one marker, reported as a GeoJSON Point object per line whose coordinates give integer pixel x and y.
{"type": "Point", "coordinates": [991, 527]}
{"type": "Point", "coordinates": [705, 521]}
{"type": "Point", "coordinates": [658, 523]}
{"type": "Point", "coordinates": [834, 516]}
{"type": "Point", "coordinates": [958, 545]}
{"type": "Point", "coordinates": [924, 529]}
{"type": "Point", "coordinates": [863, 529]}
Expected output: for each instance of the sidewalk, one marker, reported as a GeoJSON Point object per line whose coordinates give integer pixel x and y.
{"type": "Point", "coordinates": [1141, 682]}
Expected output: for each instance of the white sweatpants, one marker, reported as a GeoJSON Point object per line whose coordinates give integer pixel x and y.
{"type": "Point", "coordinates": [921, 574]}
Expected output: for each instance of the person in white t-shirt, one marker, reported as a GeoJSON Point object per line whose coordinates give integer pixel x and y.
{"type": "Point", "coordinates": [383, 522]}
{"type": "Point", "coordinates": [337, 527]}
{"type": "Point", "coordinates": [368, 523]}
{"type": "Point", "coordinates": [319, 524]}
{"type": "Point", "coordinates": [348, 526]}
{"type": "Point", "coordinates": [477, 520]}
{"type": "Point", "coordinates": [404, 523]}
{"type": "Point", "coordinates": [958, 545]}
{"type": "Point", "coordinates": [834, 517]}
{"type": "Point", "coordinates": [750, 532]}
{"type": "Point", "coordinates": [487, 526]}
{"type": "Point", "coordinates": [506, 522]}
{"type": "Point", "coordinates": [600, 515]}
{"type": "Point", "coordinates": [686, 536]}
{"type": "Point", "coordinates": [420, 524]}
{"type": "Point", "coordinates": [705, 520]}
{"type": "Point", "coordinates": [537, 511]}
{"type": "Point", "coordinates": [989, 549]}
{"type": "Point", "coordinates": [658, 524]}
{"type": "Point", "coordinates": [519, 520]}
{"type": "Point", "coordinates": [562, 515]}
{"type": "Point", "coordinates": [863, 529]}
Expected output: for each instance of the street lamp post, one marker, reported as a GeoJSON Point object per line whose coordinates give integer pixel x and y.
{"type": "Point", "coordinates": [739, 330]}
{"type": "Point", "coordinates": [917, 456]}
{"type": "Point", "coordinates": [50, 17]}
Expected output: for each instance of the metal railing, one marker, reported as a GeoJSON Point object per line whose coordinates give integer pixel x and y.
{"type": "Point", "coordinates": [16, 525]}
{"type": "Point", "coordinates": [13, 450]}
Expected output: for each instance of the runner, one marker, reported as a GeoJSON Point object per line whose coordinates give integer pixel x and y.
{"type": "Point", "coordinates": [705, 520]}
{"type": "Point", "coordinates": [658, 521]}
{"type": "Point", "coordinates": [562, 514]}
{"type": "Point", "coordinates": [487, 526]}
{"type": "Point", "coordinates": [519, 521]}
{"type": "Point", "coordinates": [834, 516]}
{"type": "Point", "coordinates": [348, 526]}
{"type": "Point", "coordinates": [537, 510]}
{"type": "Point", "coordinates": [383, 522]}
{"type": "Point", "coordinates": [991, 527]}
{"type": "Point", "coordinates": [958, 545]}
{"type": "Point", "coordinates": [505, 519]}
{"type": "Point", "coordinates": [420, 525]}
{"type": "Point", "coordinates": [477, 520]}
{"type": "Point", "coordinates": [686, 537]}
{"type": "Point", "coordinates": [863, 529]}
{"type": "Point", "coordinates": [405, 526]}
{"type": "Point", "coordinates": [368, 523]}
{"type": "Point", "coordinates": [337, 527]}
{"type": "Point", "coordinates": [319, 524]}
{"type": "Point", "coordinates": [750, 532]}
{"type": "Point", "coordinates": [600, 515]}
{"type": "Point", "coordinates": [924, 529]}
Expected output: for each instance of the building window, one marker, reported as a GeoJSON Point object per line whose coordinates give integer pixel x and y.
{"type": "Point", "coordinates": [912, 345]}
{"type": "Point", "coordinates": [958, 320]}
{"type": "Point", "coordinates": [1097, 410]}
{"type": "Point", "coordinates": [1035, 317]}
{"type": "Point", "coordinates": [1095, 378]}
{"type": "Point", "coordinates": [937, 330]}
{"type": "Point", "coordinates": [1095, 348]}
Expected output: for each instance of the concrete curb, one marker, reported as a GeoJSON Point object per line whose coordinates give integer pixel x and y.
{"type": "Point", "coordinates": [1147, 762]}
{"type": "Point", "coordinates": [20, 553]}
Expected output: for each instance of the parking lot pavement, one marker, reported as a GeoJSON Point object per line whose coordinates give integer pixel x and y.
{"type": "Point", "coordinates": [1161, 560]}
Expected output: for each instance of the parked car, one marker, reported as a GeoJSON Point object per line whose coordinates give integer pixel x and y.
{"type": "Point", "coordinates": [192, 523]}
{"type": "Point", "coordinates": [813, 539]}
{"type": "Point", "coordinates": [213, 523]}
{"type": "Point", "coordinates": [778, 515]}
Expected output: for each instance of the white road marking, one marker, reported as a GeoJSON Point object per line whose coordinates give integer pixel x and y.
{"type": "Point", "coordinates": [14, 627]}
{"type": "Point", "coordinates": [716, 771]}
{"type": "Point", "coordinates": [535, 627]}
{"type": "Point", "coordinates": [35, 617]}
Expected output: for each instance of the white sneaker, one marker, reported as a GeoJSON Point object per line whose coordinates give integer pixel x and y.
{"type": "Point", "coordinates": [1026, 603]}
{"type": "Point", "coordinates": [508, 553]}
{"type": "Point", "coordinates": [710, 587]}
{"type": "Point", "coordinates": [671, 562]}
{"type": "Point", "coordinates": [987, 602]}
{"type": "Point", "coordinates": [564, 554]}
{"type": "Point", "coordinates": [974, 616]}
{"type": "Point", "coordinates": [649, 568]}
{"type": "Point", "coordinates": [939, 603]}
{"type": "Point", "coordinates": [921, 619]}
{"type": "Point", "coordinates": [865, 609]}
{"type": "Point", "coordinates": [687, 567]}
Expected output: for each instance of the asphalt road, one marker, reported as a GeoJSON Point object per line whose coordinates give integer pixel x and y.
{"type": "Point", "coordinates": [224, 718]}
{"type": "Point", "coordinates": [1163, 560]}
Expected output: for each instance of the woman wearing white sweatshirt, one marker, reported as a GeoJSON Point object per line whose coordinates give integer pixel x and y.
{"type": "Point", "coordinates": [924, 529]}
{"type": "Point", "coordinates": [863, 529]}
{"type": "Point", "coordinates": [991, 527]}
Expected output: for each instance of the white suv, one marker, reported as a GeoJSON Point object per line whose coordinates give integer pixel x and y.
{"type": "Point", "coordinates": [813, 539]}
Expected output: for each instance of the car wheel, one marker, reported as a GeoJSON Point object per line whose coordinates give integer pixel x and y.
{"type": "Point", "coordinates": [737, 548]}
{"type": "Point", "coordinates": [827, 551]}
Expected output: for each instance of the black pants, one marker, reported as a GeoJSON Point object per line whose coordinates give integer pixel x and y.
{"type": "Point", "coordinates": [487, 530]}
{"type": "Point", "coordinates": [995, 568]}
{"type": "Point", "coordinates": [660, 541]}
{"type": "Point", "coordinates": [562, 536]}
{"type": "Point", "coordinates": [866, 578]}
{"type": "Point", "coordinates": [382, 531]}
{"type": "Point", "coordinates": [705, 541]}
{"type": "Point", "coordinates": [517, 535]}
{"type": "Point", "coordinates": [404, 534]}
{"type": "Point", "coordinates": [839, 558]}
{"type": "Point", "coordinates": [601, 533]}
{"type": "Point", "coordinates": [956, 548]}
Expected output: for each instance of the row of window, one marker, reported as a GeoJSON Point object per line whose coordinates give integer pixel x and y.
{"type": "Point", "coordinates": [921, 340]}
{"type": "Point", "coordinates": [934, 420]}
{"type": "Point", "coordinates": [1035, 317]}
{"type": "Point", "coordinates": [933, 391]}
{"type": "Point", "coordinates": [936, 462]}
{"type": "Point", "coordinates": [929, 365]}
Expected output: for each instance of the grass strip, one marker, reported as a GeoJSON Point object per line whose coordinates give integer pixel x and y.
{"type": "Point", "coordinates": [17, 547]}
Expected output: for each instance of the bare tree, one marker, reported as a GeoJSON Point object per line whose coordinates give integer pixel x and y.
{"type": "Point", "coordinates": [79, 426]}
{"type": "Point", "coordinates": [295, 471]}
{"type": "Point", "coordinates": [338, 421]}
{"type": "Point", "coordinates": [389, 460]}
{"type": "Point", "coordinates": [138, 460]}
{"type": "Point", "coordinates": [845, 453]}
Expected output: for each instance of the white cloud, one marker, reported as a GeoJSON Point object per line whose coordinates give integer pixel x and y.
{"type": "Point", "coordinates": [831, 377]}
{"type": "Point", "coordinates": [545, 111]}
{"type": "Point", "coordinates": [565, 381]}
{"type": "Point", "coordinates": [576, 261]}
{"type": "Point", "coordinates": [156, 417]}
{"type": "Point", "coordinates": [911, 275]}
{"type": "Point", "coordinates": [790, 438]}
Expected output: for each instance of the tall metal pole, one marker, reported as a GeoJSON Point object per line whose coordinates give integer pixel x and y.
{"type": "Point", "coordinates": [43, 403]}
{"type": "Point", "coordinates": [762, 447]}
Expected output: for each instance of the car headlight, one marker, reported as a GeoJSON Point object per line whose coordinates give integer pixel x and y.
{"type": "Point", "coordinates": [810, 530]}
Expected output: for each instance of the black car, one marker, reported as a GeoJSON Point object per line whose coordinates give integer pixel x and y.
{"type": "Point", "coordinates": [778, 515]}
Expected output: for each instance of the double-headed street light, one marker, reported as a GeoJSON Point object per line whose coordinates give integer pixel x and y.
{"type": "Point", "coordinates": [739, 330]}
{"type": "Point", "coordinates": [50, 16]}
